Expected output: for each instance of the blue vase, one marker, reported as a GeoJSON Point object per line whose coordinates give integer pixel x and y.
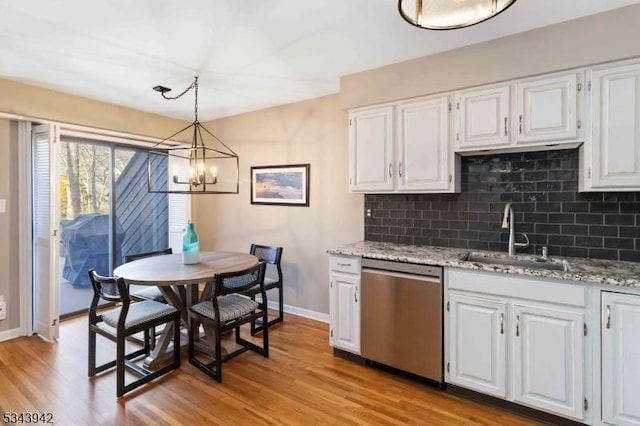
{"type": "Point", "coordinates": [190, 245]}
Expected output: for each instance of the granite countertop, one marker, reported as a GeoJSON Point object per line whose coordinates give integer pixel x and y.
{"type": "Point", "coordinates": [607, 272]}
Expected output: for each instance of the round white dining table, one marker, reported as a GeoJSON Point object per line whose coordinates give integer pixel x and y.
{"type": "Point", "coordinates": [179, 283]}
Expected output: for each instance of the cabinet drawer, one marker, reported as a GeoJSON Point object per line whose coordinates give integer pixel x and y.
{"type": "Point", "coordinates": [346, 264]}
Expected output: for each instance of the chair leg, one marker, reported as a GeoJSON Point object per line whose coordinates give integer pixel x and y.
{"type": "Point", "coordinates": [120, 366]}
{"type": "Point", "coordinates": [218, 355]}
{"type": "Point", "coordinates": [213, 368]}
{"type": "Point", "coordinates": [257, 328]}
{"type": "Point", "coordinates": [92, 352]}
{"type": "Point", "coordinates": [265, 334]}
{"type": "Point", "coordinates": [176, 342]}
{"type": "Point", "coordinates": [280, 307]}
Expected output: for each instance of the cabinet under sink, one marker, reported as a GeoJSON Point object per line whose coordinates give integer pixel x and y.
{"type": "Point", "coordinates": [519, 339]}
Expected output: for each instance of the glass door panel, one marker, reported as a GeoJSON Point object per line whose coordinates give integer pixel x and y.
{"type": "Point", "coordinates": [85, 220]}
{"type": "Point", "coordinates": [142, 217]}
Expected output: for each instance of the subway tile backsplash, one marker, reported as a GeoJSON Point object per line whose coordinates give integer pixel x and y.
{"type": "Point", "coordinates": [543, 187]}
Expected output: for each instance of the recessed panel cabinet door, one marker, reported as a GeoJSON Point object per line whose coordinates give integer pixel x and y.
{"type": "Point", "coordinates": [423, 145]}
{"type": "Point", "coordinates": [548, 359]}
{"type": "Point", "coordinates": [345, 312]}
{"type": "Point", "coordinates": [483, 118]}
{"type": "Point", "coordinates": [615, 133]}
{"type": "Point", "coordinates": [371, 150]}
{"type": "Point", "coordinates": [477, 344]}
{"type": "Point", "coordinates": [547, 109]}
{"type": "Point", "coordinates": [620, 358]}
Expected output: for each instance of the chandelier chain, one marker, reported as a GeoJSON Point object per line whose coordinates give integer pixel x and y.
{"type": "Point", "coordinates": [193, 85]}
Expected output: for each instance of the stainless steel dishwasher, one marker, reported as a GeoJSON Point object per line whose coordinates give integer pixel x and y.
{"type": "Point", "coordinates": [401, 317]}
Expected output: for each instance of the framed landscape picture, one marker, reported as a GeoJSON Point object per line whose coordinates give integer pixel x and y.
{"type": "Point", "coordinates": [280, 185]}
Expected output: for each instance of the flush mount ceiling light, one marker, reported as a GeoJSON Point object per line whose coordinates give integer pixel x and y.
{"type": "Point", "coordinates": [206, 166]}
{"type": "Point", "coordinates": [450, 14]}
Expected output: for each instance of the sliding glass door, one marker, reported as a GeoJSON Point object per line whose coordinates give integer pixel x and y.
{"type": "Point", "coordinates": [105, 214]}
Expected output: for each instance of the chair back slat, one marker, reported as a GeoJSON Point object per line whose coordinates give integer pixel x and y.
{"type": "Point", "coordinates": [239, 281]}
{"type": "Point", "coordinates": [111, 289]}
{"type": "Point", "coordinates": [269, 254]}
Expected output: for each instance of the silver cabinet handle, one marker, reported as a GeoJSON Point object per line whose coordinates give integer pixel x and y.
{"type": "Point", "coordinates": [517, 325]}
{"type": "Point", "coordinates": [520, 123]}
{"type": "Point", "coordinates": [608, 316]}
{"type": "Point", "coordinates": [355, 295]}
{"type": "Point", "coordinates": [400, 169]}
{"type": "Point", "coordinates": [344, 264]}
{"type": "Point", "coordinates": [502, 323]}
{"type": "Point", "coordinates": [390, 170]}
{"type": "Point", "coordinates": [505, 126]}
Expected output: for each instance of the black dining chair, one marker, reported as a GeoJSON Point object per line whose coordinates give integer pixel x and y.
{"type": "Point", "coordinates": [228, 309]}
{"type": "Point", "coordinates": [271, 255]}
{"type": "Point", "coordinates": [140, 293]}
{"type": "Point", "coordinates": [124, 321]}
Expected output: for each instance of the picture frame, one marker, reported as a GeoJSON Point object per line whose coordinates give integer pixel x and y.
{"type": "Point", "coordinates": [286, 185]}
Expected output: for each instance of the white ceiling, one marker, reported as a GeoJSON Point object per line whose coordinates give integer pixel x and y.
{"type": "Point", "coordinates": [248, 54]}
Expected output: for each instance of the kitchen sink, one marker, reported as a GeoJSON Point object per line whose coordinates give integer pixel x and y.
{"type": "Point", "coordinates": [528, 262]}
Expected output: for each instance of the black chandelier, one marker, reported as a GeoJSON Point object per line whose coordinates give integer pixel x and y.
{"type": "Point", "coordinates": [207, 166]}
{"type": "Point", "coordinates": [450, 14]}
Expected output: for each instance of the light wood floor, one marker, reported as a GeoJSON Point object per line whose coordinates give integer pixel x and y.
{"type": "Point", "coordinates": [302, 383]}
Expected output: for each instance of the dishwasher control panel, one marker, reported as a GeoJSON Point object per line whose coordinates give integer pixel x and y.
{"type": "Point", "coordinates": [409, 268]}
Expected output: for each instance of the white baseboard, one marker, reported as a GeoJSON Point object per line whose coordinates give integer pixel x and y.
{"type": "Point", "coordinates": [10, 334]}
{"type": "Point", "coordinates": [306, 313]}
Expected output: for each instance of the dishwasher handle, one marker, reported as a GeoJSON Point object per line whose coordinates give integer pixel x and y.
{"type": "Point", "coordinates": [425, 278]}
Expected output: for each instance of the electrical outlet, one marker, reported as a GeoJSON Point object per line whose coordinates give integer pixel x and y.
{"type": "Point", "coordinates": [3, 206]}
{"type": "Point", "coordinates": [3, 308]}
{"type": "Point", "coordinates": [368, 213]}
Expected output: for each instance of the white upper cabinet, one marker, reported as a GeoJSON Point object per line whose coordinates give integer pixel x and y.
{"type": "Point", "coordinates": [611, 155]}
{"type": "Point", "coordinates": [483, 118]}
{"type": "Point", "coordinates": [371, 150]}
{"type": "Point", "coordinates": [401, 147]}
{"type": "Point", "coordinates": [520, 115]}
{"type": "Point", "coordinates": [547, 109]}
{"type": "Point", "coordinates": [422, 147]}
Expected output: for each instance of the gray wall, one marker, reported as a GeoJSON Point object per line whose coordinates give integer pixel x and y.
{"type": "Point", "coordinates": [9, 286]}
{"type": "Point", "coordinates": [593, 39]}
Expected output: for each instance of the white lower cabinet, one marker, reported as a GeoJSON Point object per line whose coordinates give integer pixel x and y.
{"type": "Point", "coordinates": [344, 301]}
{"type": "Point", "coordinates": [548, 357]}
{"type": "Point", "coordinates": [477, 344]}
{"type": "Point", "coordinates": [518, 338]}
{"type": "Point", "coordinates": [620, 324]}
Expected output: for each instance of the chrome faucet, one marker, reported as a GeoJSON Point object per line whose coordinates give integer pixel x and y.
{"type": "Point", "coordinates": [508, 220]}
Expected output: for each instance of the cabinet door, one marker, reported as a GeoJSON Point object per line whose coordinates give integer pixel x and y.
{"type": "Point", "coordinates": [483, 118]}
{"type": "Point", "coordinates": [615, 133]}
{"type": "Point", "coordinates": [422, 147]}
{"type": "Point", "coordinates": [547, 109]}
{"type": "Point", "coordinates": [477, 344]}
{"type": "Point", "coordinates": [345, 312]}
{"type": "Point", "coordinates": [620, 358]}
{"type": "Point", "coordinates": [371, 150]}
{"type": "Point", "coordinates": [548, 359]}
